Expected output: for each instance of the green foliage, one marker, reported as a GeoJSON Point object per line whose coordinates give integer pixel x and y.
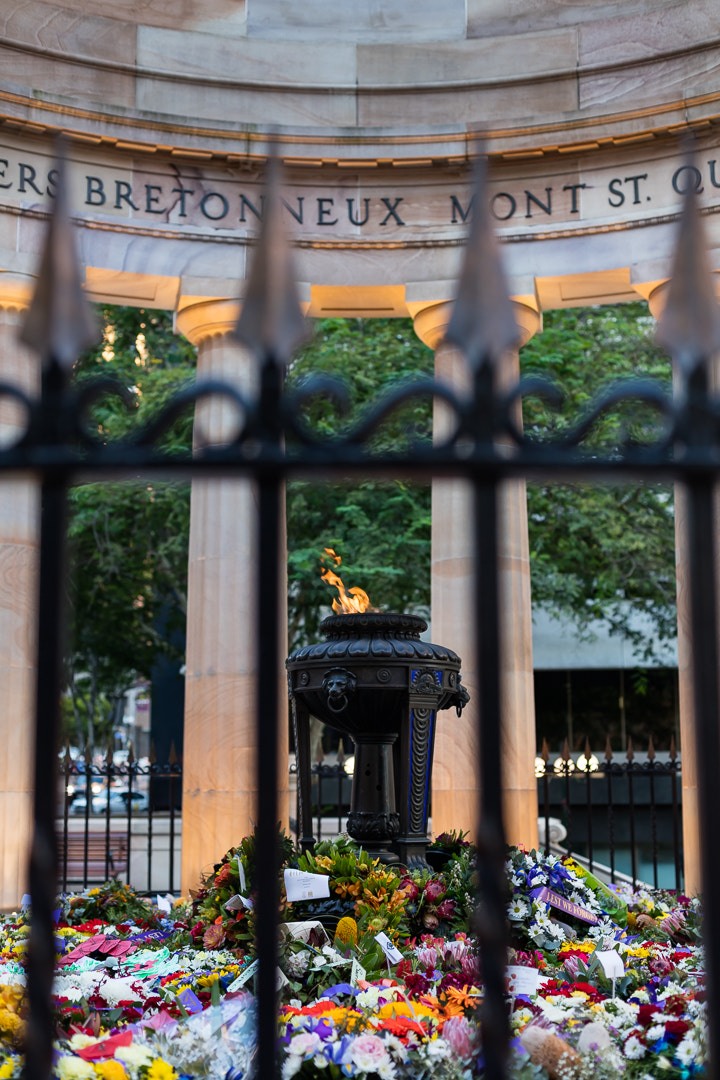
{"type": "Point", "coordinates": [128, 542]}
{"type": "Point", "coordinates": [112, 902]}
{"type": "Point", "coordinates": [381, 530]}
{"type": "Point", "coordinates": [601, 552]}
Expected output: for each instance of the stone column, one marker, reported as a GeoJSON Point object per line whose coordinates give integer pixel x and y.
{"type": "Point", "coordinates": [219, 780]}
{"type": "Point", "coordinates": [688, 748]}
{"type": "Point", "coordinates": [454, 789]}
{"type": "Point", "coordinates": [19, 520]}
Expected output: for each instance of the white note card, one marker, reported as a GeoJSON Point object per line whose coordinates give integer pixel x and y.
{"type": "Point", "coordinates": [522, 980]}
{"type": "Point", "coordinates": [394, 955]}
{"type": "Point", "coordinates": [300, 885]}
{"type": "Point", "coordinates": [611, 963]}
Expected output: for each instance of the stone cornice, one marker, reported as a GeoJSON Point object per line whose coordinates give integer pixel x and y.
{"type": "Point", "coordinates": [398, 149]}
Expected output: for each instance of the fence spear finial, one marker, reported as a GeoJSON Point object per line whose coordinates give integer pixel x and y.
{"type": "Point", "coordinates": [483, 322]}
{"type": "Point", "coordinates": [60, 323]}
{"type": "Point", "coordinates": [689, 327]}
{"type": "Point", "coordinates": [271, 322]}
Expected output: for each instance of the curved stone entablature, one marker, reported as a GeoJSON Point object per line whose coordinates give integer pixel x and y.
{"type": "Point", "coordinates": [393, 79]}
{"type": "Point", "coordinates": [168, 116]}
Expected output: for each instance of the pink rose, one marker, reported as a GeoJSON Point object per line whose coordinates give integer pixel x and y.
{"type": "Point", "coordinates": [369, 1053]}
{"type": "Point", "coordinates": [305, 1043]}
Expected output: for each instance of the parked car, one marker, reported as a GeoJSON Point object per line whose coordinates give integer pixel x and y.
{"type": "Point", "coordinates": [119, 801]}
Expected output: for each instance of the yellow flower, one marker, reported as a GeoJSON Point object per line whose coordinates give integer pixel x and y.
{"type": "Point", "coordinates": [110, 1070]}
{"type": "Point", "coordinates": [6, 1070]}
{"type": "Point", "coordinates": [347, 931]}
{"type": "Point", "coordinates": [161, 1070]}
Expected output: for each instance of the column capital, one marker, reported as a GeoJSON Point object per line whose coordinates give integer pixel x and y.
{"type": "Point", "coordinates": [16, 290]}
{"type": "Point", "coordinates": [431, 322]}
{"type": "Point", "coordinates": [198, 318]}
{"type": "Point", "coordinates": [658, 298]}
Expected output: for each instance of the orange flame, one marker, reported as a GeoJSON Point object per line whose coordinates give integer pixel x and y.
{"type": "Point", "coordinates": [350, 602]}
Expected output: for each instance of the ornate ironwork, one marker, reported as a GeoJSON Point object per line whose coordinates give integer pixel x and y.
{"type": "Point", "coordinates": [274, 442]}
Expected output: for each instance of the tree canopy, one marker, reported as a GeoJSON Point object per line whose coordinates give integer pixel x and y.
{"type": "Point", "coordinates": [128, 541]}
{"type": "Point", "coordinates": [601, 551]}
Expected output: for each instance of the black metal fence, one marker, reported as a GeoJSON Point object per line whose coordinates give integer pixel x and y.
{"type": "Point", "coordinates": [119, 821]}
{"type": "Point", "coordinates": [621, 815]}
{"type": "Point", "coordinates": [485, 448]}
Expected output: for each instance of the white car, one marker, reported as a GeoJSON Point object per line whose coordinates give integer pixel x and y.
{"type": "Point", "coordinates": [119, 801]}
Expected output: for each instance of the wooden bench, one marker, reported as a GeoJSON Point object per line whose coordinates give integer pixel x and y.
{"type": "Point", "coordinates": [97, 845]}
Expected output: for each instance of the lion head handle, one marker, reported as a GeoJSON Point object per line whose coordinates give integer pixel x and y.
{"type": "Point", "coordinates": [338, 685]}
{"type": "Point", "coordinates": [461, 697]}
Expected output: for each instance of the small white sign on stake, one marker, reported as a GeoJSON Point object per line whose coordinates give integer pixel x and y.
{"type": "Point", "coordinates": [300, 885]}
{"type": "Point", "coordinates": [357, 972]}
{"type": "Point", "coordinates": [611, 963]}
{"type": "Point", "coordinates": [394, 955]}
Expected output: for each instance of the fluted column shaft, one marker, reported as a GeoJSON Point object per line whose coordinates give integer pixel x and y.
{"type": "Point", "coordinates": [686, 700]}
{"type": "Point", "coordinates": [455, 780]}
{"type": "Point", "coordinates": [19, 522]}
{"type": "Point", "coordinates": [219, 760]}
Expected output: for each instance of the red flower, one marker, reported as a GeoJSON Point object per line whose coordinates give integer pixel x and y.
{"type": "Point", "coordinates": [676, 1028]}
{"type": "Point", "coordinates": [410, 889]}
{"type": "Point", "coordinates": [434, 890]}
{"type": "Point", "coordinates": [446, 910]}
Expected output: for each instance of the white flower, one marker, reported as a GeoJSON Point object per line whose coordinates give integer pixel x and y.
{"type": "Point", "coordinates": [134, 1055]}
{"type": "Point", "coordinates": [319, 961]}
{"type": "Point", "coordinates": [297, 964]}
{"type": "Point", "coordinates": [634, 1049]}
{"type": "Point", "coordinates": [74, 1068]}
{"type": "Point", "coordinates": [688, 1050]}
{"type": "Point", "coordinates": [655, 1032]}
{"type": "Point", "coordinates": [518, 909]}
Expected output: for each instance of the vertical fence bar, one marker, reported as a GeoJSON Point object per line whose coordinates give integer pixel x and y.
{"type": "Point", "coordinates": [43, 855]}
{"type": "Point", "coordinates": [611, 815]}
{"type": "Point", "coordinates": [150, 827]}
{"type": "Point", "coordinates": [270, 517]}
{"type": "Point", "coordinates": [171, 838]}
{"type": "Point", "coordinates": [491, 838]}
{"type": "Point", "coordinates": [588, 793]}
{"type": "Point", "coordinates": [653, 810]}
{"type": "Point", "coordinates": [630, 767]}
{"type": "Point", "coordinates": [675, 814]}
{"type": "Point", "coordinates": [703, 622]}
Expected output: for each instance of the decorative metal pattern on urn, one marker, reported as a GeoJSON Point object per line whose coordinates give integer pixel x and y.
{"type": "Point", "coordinates": [384, 689]}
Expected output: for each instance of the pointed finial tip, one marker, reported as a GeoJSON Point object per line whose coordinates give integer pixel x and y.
{"type": "Point", "coordinates": [689, 327]}
{"type": "Point", "coordinates": [60, 323]}
{"type": "Point", "coordinates": [271, 321]}
{"type": "Point", "coordinates": [483, 321]}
